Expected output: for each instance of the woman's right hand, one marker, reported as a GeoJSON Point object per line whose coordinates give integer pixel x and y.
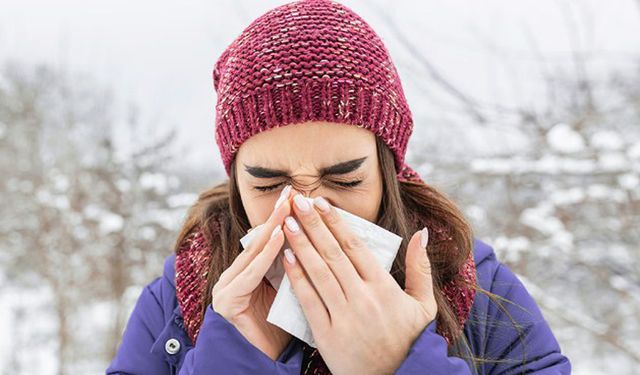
{"type": "Point", "coordinates": [243, 296]}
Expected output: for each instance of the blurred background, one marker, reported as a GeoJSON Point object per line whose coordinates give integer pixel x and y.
{"type": "Point", "coordinates": [527, 114]}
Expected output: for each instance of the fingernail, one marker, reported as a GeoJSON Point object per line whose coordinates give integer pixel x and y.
{"type": "Point", "coordinates": [321, 203]}
{"type": "Point", "coordinates": [276, 230]}
{"type": "Point", "coordinates": [289, 255]}
{"type": "Point", "coordinates": [424, 237]}
{"type": "Point", "coordinates": [301, 203]}
{"type": "Point", "coordinates": [284, 194]}
{"type": "Point", "coordinates": [291, 223]}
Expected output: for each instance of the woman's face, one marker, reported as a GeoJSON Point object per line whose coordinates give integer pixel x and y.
{"type": "Point", "coordinates": [317, 159]}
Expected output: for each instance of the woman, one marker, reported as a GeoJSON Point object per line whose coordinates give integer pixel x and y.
{"type": "Point", "coordinates": [448, 306]}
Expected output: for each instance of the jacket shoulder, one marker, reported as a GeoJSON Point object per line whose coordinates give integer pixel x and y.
{"type": "Point", "coordinates": [163, 289]}
{"type": "Point", "coordinates": [486, 263]}
{"type": "Point", "coordinates": [482, 252]}
{"type": "Point", "coordinates": [169, 272]}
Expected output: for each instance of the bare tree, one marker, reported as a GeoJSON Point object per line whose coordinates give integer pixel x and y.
{"type": "Point", "coordinates": [85, 223]}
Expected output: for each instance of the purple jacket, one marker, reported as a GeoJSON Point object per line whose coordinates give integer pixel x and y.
{"type": "Point", "coordinates": [155, 341]}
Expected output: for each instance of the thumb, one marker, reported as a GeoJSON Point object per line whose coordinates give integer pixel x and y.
{"type": "Point", "coordinates": [418, 282]}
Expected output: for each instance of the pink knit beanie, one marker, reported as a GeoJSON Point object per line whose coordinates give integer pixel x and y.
{"type": "Point", "coordinates": [304, 61]}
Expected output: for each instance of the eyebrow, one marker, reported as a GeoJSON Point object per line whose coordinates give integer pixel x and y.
{"type": "Point", "coordinates": [336, 169]}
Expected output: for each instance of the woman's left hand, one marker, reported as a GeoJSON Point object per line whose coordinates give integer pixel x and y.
{"type": "Point", "coordinates": [361, 320]}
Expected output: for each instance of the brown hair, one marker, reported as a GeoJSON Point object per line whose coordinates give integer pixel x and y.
{"type": "Point", "coordinates": [402, 203]}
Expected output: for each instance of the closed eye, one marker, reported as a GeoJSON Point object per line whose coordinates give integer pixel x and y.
{"type": "Point", "coordinates": [348, 184]}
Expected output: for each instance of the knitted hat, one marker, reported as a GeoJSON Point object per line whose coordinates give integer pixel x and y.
{"type": "Point", "coordinates": [306, 61]}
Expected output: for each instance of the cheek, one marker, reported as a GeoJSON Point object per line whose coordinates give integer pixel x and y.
{"type": "Point", "coordinates": [365, 209]}
{"type": "Point", "coordinates": [365, 203]}
{"type": "Point", "coordinates": [257, 209]}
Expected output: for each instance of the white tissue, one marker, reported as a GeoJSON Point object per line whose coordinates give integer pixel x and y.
{"type": "Point", "coordinates": [286, 312]}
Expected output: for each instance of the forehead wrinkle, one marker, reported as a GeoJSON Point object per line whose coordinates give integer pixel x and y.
{"type": "Point", "coordinates": [304, 166]}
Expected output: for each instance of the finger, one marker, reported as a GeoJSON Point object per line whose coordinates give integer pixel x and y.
{"type": "Point", "coordinates": [311, 303]}
{"type": "Point", "coordinates": [319, 272]}
{"type": "Point", "coordinates": [252, 275]}
{"type": "Point", "coordinates": [326, 244]}
{"type": "Point", "coordinates": [258, 242]}
{"type": "Point", "coordinates": [363, 260]}
{"type": "Point", "coordinates": [418, 282]}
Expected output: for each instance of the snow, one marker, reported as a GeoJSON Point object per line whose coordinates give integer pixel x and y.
{"type": "Point", "coordinates": [564, 139]}
{"type": "Point", "coordinates": [92, 211]}
{"type": "Point", "coordinates": [23, 317]}
{"type": "Point", "coordinates": [181, 200]}
{"type": "Point", "coordinates": [569, 196]}
{"type": "Point", "coordinates": [629, 181]}
{"type": "Point", "coordinates": [491, 165]}
{"type": "Point", "coordinates": [613, 161]}
{"type": "Point", "coordinates": [476, 212]}
{"type": "Point", "coordinates": [167, 220]}
{"type": "Point", "coordinates": [110, 223]}
{"type": "Point", "coordinates": [541, 218]}
{"type": "Point", "coordinates": [619, 282]}
{"type": "Point", "coordinates": [46, 198]}
{"type": "Point", "coordinates": [148, 233]}
{"type": "Point", "coordinates": [510, 249]}
{"type": "Point", "coordinates": [634, 151]}
{"type": "Point", "coordinates": [606, 140]}
{"type": "Point", "coordinates": [123, 185]}
{"type": "Point", "coordinates": [604, 192]}
{"type": "Point", "coordinates": [154, 181]}
{"type": "Point", "coordinates": [3, 129]}
{"type": "Point", "coordinates": [547, 164]}
{"type": "Point", "coordinates": [60, 182]}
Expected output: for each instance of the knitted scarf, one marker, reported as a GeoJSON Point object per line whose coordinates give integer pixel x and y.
{"type": "Point", "coordinates": [192, 264]}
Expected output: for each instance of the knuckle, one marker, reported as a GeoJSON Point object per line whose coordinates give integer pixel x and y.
{"type": "Point", "coordinates": [217, 294]}
{"type": "Point", "coordinates": [223, 278]}
{"type": "Point", "coordinates": [425, 267]}
{"type": "Point", "coordinates": [295, 242]}
{"type": "Point", "coordinates": [215, 291]}
{"type": "Point", "coordinates": [322, 274]}
{"type": "Point", "coordinates": [352, 243]}
{"type": "Point", "coordinates": [334, 255]}
{"type": "Point", "coordinates": [313, 221]}
{"type": "Point", "coordinates": [297, 276]}
{"type": "Point", "coordinates": [332, 218]}
{"type": "Point", "coordinates": [219, 301]}
{"type": "Point", "coordinates": [249, 271]}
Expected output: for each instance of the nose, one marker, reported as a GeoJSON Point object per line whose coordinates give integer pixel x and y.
{"type": "Point", "coordinates": [308, 194]}
{"type": "Point", "coordinates": [305, 193]}
{"type": "Point", "coordinates": [295, 191]}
